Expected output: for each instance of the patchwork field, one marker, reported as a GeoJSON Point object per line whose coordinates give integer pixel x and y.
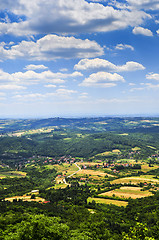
{"type": "Point", "coordinates": [108, 201]}
{"type": "Point", "coordinates": [33, 131]}
{"type": "Point", "coordinates": [64, 169]}
{"type": "Point", "coordinates": [136, 180]}
{"type": "Point", "coordinates": [25, 198]}
{"type": "Point", "coordinates": [12, 174]}
{"type": "Point", "coordinates": [127, 192]}
{"type": "Point", "coordinates": [115, 151]}
{"type": "Point", "coordinates": [146, 168]}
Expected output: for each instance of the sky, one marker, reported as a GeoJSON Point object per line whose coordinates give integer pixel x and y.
{"type": "Point", "coordinates": [79, 58]}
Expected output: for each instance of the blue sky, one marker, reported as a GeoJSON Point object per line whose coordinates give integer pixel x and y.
{"type": "Point", "coordinates": [74, 58]}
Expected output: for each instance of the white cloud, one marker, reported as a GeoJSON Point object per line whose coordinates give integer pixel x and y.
{"type": "Point", "coordinates": [152, 86]}
{"type": "Point", "coordinates": [32, 77]}
{"type": "Point", "coordinates": [137, 89]}
{"type": "Point", "coordinates": [52, 47]}
{"type": "Point", "coordinates": [11, 87]}
{"type": "Point", "coordinates": [35, 67]}
{"type": "Point", "coordinates": [86, 64]}
{"type": "Point", "coordinates": [132, 84]}
{"type": "Point", "coordinates": [116, 100]}
{"type": "Point", "coordinates": [29, 97]}
{"type": "Point", "coordinates": [130, 66]}
{"type": "Point", "coordinates": [142, 31]}
{"type": "Point", "coordinates": [63, 70]}
{"type": "Point", "coordinates": [2, 94]}
{"type": "Point", "coordinates": [145, 86]}
{"type": "Point", "coordinates": [75, 16]}
{"type": "Point", "coordinates": [144, 4]}
{"type": "Point", "coordinates": [60, 93]}
{"type": "Point", "coordinates": [102, 79]}
{"type": "Point", "coordinates": [83, 95]}
{"type": "Point", "coordinates": [50, 86]}
{"type": "Point", "coordinates": [121, 46]}
{"type": "Point", "coordinates": [153, 76]}
{"type": "Point", "coordinates": [97, 63]}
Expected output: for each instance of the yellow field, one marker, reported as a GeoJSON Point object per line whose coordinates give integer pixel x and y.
{"type": "Point", "coordinates": [124, 134]}
{"type": "Point", "coordinates": [33, 131]}
{"type": "Point", "coordinates": [151, 147]}
{"type": "Point", "coordinates": [146, 168]}
{"type": "Point", "coordinates": [116, 151]}
{"type": "Point", "coordinates": [136, 148]}
{"type": "Point", "coordinates": [127, 192]}
{"type": "Point", "coordinates": [135, 180]}
{"type": "Point", "coordinates": [12, 174]}
{"type": "Point", "coordinates": [90, 163]}
{"type": "Point", "coordinates": [83, 172]}
{"type": "Point", "coordinates": [25, 198]}
{"type": "Point", "coordinates": [2, 176]}
{"type": "Point", "coordinates": [108, 201]}
{"type": "Point", "coordinates": [104, 153]}
{"type": "Point", "coordinates": [67, 139]}
{"type": "Point", "coordinates": [60, 185]}
{"type": "Point", "coordinates": [65, 168]}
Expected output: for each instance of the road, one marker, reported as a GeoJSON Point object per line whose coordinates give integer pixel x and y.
{"type": "Point", "coordinates": [64, 180]}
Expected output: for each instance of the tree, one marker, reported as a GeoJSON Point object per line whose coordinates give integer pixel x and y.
{"type": "Point", "coordinates": [139, 232]}
{"type": "Point", "coordinates": [38, 227]}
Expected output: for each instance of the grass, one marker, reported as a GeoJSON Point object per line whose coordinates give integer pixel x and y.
{"type": "Point", "coordinates": [151, 147]}
{"type": "Point", "coordinates": [12, 174]}
{"type": "Point", "coordinates": [104, 153]}
{"type": "Point", "coordinates": [146, 168]}
{"type": "Point", "coordinates": [60, 185]}
{"type": "Point", "coordinates": [127, 192]}
{"type": "Point", "coordinates": [64, 168]}
{"type": "Point", "coordinates": [116, 151]}
{"type": "Point", "coordinates": [25, 198]}
{"type": "Point", "coordinates": [136, 148]}
{"type": "Point", "coordinates": [136, 180]}
{"type": "Point", "coordinates": [108, 201]}
{"type": "Point", "coordinates": [107, 153]}
{"type": "Point", "coordinates": [83, 172]}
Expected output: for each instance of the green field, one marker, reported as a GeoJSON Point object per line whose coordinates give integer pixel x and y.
{"type": "Point", "coordinates": [108, 201]}
{"type": "Point", "coordinates": [127, 192]}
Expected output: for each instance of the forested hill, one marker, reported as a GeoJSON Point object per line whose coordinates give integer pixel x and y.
{"type": "Point", "coordinates": [133, 124]}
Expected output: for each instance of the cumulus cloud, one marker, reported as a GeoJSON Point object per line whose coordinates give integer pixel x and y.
{"type": "Point", "coordinates": [142, 31]}
{"type": "Point", "coordinates": [102, 79]}
{"type": "Point", "coordinates": [97, 63]}
{"type": "Point", "coordinates": [50, 86]}
{"type": "Point", "coordinates": [11, 87]}
{"type": "Point", "coordinates": [32, 77]}
{"type": "Point", "coordinates": [121, 46]}
{"type": "Point", "coordinates": [145, 86]}
{"type": "Point", "coordinates": [136, 89]}
{"type": "Point", "coordinates": [153, 76]}
{"type": "Point", "coordinates": [35, 67]}
{"type": "Point", "coordinates": [130, 66]}
{"type": "Point", "coordinates": [83, 95]}
{"type": "Point", "coordinates": [144, 4]}
{"type": "Point", "coordinates": [61, 93]}
{"type": "Point", "coordinates": [53, 47]}
{"type": "Point", "coordinates": [75, 16]}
